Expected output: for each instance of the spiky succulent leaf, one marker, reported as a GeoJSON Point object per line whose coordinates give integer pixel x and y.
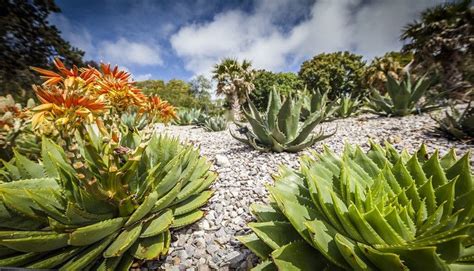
{"type": "Point", "coordinates": [375, 210]}
{"type": "Point", "coordinates": [102, 213]}
{"type": "Point", "coordinates": [215, 124]}
{"type": "Point", "coordinates": [279, 129]}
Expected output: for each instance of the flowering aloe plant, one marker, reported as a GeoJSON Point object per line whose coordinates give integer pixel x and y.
{"type": "Point", "coordinates": [379, 210]}
{"type": "Point", "coordinates": [101, 207]}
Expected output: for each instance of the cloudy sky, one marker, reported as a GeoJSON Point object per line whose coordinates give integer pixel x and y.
{"type": "Point", "coordinates": [183, 38]}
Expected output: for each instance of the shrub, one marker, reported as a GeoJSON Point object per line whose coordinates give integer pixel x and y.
{"type": "Point", "coordinates": [265, 81]}
{"type": "Point", "coordinates": [279, 130]}
{"type": "Point", "coordinates": [378, 210]}
{"type": "Point", "coordinates": [457, 124]}
{"type": "Point", "coordinates": [105, 209]}
{"type": "Point", "coordinates": [403, 97]}
{"type": "Point", "coordinates": [392, 63]}
{"type": "Point", "coordinates": [338, 73]}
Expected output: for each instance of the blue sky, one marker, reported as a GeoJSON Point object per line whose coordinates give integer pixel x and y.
{"type": "Point", "coordinates": [184, 38]}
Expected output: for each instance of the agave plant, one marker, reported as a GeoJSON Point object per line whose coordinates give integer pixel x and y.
{"type": "Point", "coordinates": [458, 124]}
{"type": "Point", "coordinates": [100, 207]}
{"type": "Point", "coordinates": [215, 124]}
{"type": "Point", "coordinates": [402, 97]}
{"type": "Point", "coordinates": [314, 102]}
{"type": "Point", "coordinates": [279, 129]}
{"type": "Point", "coordinates": [375, 210]}
{"type": "Point", "coordinates": [187, 116]}
{"type": "Point", "coordinates": [202, 119]}
{"type": "Point", "coordinates": [346, 106]}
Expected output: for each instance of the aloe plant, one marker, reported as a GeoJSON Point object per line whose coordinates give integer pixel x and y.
{"type": "Point", "coordinates": [458, 124]}
{"type": "Point", "coordinates": [314, 102]}
{"type": "Point", "coordinates": [100, 207]}
{"type": "Point", "coordinates": [215, 124]}
{"type": "Point", "coordinates": [346, 106]}
{"type": "Point", "coordinates": [375, 210]}
{"type": "Point", "coordinates": [187, 116]}
{"type": "Point", "coordinates": [403, 97]}
{"type": "Point", "coordinates": [279, 129]}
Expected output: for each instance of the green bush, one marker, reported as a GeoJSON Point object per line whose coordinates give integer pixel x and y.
{"type": "Point", "coordinates": [380, 210]}
{"type": "Point", "coordinates": [287, 83]}
{"type": "Point", "coordinates": [337, 73]}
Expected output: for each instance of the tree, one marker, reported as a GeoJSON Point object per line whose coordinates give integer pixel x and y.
{"type": "Point", "coordinates": [201, 86]}
{"type": "Point", "coordinates": [442, 41]}
{"type": "Point", "coordinates": [337, 73]}
{"type": "Point", "coordinates": [27, 39]}
{"type": "Point", "coordinates": [265, 81]}
{"type": "Point", "coordinates": [235, 81]}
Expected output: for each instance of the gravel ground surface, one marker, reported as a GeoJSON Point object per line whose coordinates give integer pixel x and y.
{"type": "Point", "coordinates": [210, 244]}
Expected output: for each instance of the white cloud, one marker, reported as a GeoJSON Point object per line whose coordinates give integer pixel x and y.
{"type": "Point", "coordinates": [124, 52]}
{"type": "Point", "coordinates": [369, 28]}
{"type": "Point", "coordinates": [142, 77]}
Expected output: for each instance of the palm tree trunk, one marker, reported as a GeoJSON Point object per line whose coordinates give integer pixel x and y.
{"type": "Point", "coordinates": [235, 106]}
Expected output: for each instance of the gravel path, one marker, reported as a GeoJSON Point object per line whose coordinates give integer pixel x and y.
{"type": "Point", "coordinates": [210, 244]}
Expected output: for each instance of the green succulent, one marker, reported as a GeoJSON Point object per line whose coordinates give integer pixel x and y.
{"type": "Point", "coordinates": [458, 124]}
{"type": "Point", "coordinates": [316, 101]}
{"type": "Point", "coordinates": [201, 119]}
{"type": "Point", "coordinates": [347, 106]}
{"type": "Point", "coordinates": [402, 97]}
{"type": "Point", "coordinates": [187, 116]}
{"type": "Point", "coordinates": [215, 124]}
{"type": "Point", "coordinates": [279, 128]}
{"type": "Point", "coordinates": [375, 210]}
{"type": "Point", "coordinates": [101, 207]}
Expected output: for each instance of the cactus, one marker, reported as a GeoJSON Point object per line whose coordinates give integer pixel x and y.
{"type": "Point", "coordinates": [215, 124]}
{"type": "Point", "coordinates": [375, 210]}
{"type": "Point", "coordinates": [100, 207]}
{"type": "Point", "coordinates": [279, 129]}
{"type": "Point", "coordinates": [402, 97]}
{"type": "Point", "coordinates": [457, 124]}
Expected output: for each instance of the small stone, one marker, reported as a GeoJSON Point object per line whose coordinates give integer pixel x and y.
{"type": "Point", "coordinates": [222, 160]}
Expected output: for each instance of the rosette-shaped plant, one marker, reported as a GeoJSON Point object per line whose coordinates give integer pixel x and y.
{"type": "Point", "coordinates": [457, 123]}
{"type": "Point", "coordinates": [279, 128]}
{"type": "Point", "coordinates": [215, 124]}
{"type": "Point", "coordinates": [99, 207]}
{"type": "Point", "coordinates": [375, 210]}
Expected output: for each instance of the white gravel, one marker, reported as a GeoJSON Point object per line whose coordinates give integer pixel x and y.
{"type": "Point", "coordinates": [210, 244]}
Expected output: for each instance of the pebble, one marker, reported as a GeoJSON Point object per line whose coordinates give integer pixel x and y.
{"type": "Point", "coordinates": [210, 244]}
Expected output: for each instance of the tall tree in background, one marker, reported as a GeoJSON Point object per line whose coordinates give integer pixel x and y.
{"type": "Point", "coordinates": [337, 73]}
{"type": "Point", "coordinates": [443, 41]}
{"type": "Point", "coordinates": [235, 81]}
{"type": "Point", "coordinates": [28, 39]}
{"type": "Point", "coordinates": [201, 86]}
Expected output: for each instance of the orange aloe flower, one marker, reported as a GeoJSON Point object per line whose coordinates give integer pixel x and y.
{"type": "Point", "coordinates": [160, 109]}
{"type": "Point", "coordinates": [64, 107]}
{"type": "Point", "coordinates": [87, 75]}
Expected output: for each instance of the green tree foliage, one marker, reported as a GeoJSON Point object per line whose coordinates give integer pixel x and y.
{"type": "Point", "coordinates": [201, 86]}
{"type": "Point", "coordinates": [28, 39]}
{"type": "Point", "coordinates": [338, 73]}
{"type": "Point", "coordinates": [442, 42]}
{"type": "Point", "coordinates": [265, 81]}
{"type": "Point", "coordinates": [179, 93]}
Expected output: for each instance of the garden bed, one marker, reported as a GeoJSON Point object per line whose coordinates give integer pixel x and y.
{"type": "Point", "coordinates": [243, 173]}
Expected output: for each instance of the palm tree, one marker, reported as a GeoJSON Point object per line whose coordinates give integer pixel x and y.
{"type": "Point", "coordinates": [442, 40]}
{"type": "Point", "coordinates": [235, 81]}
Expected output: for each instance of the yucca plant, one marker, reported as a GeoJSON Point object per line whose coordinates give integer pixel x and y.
{"type": "Point", "coordinates": [402, 97]}
{"type": "Point", "coordinates": [346, 106]}
{"type": "Point", "coordinates": [101, 207]}
{"type": "Point", "coordinates": [375, 210]}
{"type": "Point", "coordinates": [215, 124]}
{"type": "Point", "coordinates": [279, 128]}
{"type": "Point", "coordinates": [187, 116]}
{"type": "Point", "coordinates": [458, 124]}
